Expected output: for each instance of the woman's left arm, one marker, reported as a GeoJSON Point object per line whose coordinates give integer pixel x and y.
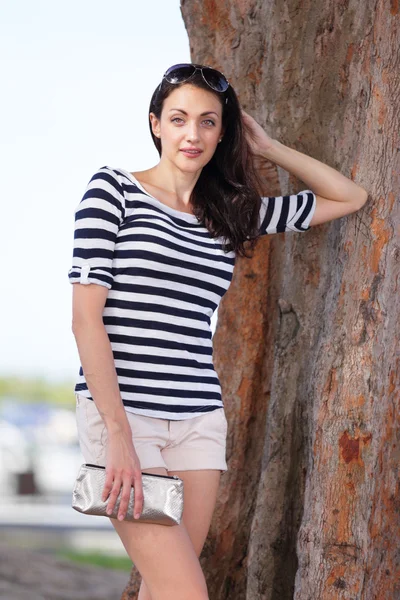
{"type": "Point", "coordinates": [336, 194]}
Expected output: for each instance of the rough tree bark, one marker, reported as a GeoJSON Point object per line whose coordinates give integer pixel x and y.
{"type": "Point", "coordinates": [307, 341]}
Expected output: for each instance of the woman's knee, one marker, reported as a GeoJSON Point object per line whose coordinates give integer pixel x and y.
{"type": "Point", "coordinates": [166, 559]}
{"type": "Point", "coordinates": [144, 593]}
{"type": "Point", "coordinates": [188, 594]}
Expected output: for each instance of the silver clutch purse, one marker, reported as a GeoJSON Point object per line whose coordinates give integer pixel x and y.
{"type": "Point", "coordinates": [162, 496]}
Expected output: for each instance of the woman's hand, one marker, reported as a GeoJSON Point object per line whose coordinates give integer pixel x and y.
{"type": "Point", "coordinates": [258, 140]}
{"type": "Point", "coordinates": [122, 469]}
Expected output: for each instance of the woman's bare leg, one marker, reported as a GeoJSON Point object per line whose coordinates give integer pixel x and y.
{"type": "Point", "coordinates": [165, 558]}
{"type": "Point", "coordinates": [201, 489]}
{"type": "Point", "coordinates": [144, 593]}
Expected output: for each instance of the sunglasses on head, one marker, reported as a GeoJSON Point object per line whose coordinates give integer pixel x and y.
{"type": "Point", "coordinates": [184, 71]}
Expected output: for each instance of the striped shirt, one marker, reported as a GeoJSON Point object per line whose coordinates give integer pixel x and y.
{"type": "Point", "coordinates": [166, 276]}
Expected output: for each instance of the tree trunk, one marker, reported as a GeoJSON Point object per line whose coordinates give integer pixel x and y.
{"type": "Point", "coordinates": [306, 345]}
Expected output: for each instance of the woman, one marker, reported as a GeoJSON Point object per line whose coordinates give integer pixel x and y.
{"type": "Point", "coordinates": [159, 247]}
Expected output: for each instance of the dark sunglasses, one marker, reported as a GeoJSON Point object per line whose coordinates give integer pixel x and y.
{"type": "Point", "coordinates": [184, 71]}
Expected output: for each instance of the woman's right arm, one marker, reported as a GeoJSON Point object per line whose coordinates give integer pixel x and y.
{"type": "Point", "coordinates": [98, 218]}
{"type": "Point", "coordinates": [94, 348]}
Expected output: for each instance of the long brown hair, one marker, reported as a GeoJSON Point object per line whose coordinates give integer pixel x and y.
{"type": "Point", "coordinates": [227, 195]}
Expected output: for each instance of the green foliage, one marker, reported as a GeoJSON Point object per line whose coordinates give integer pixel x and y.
{"type": "Point", "coordinates": [38, 389]}
{"type": "Point", "coordinates": [121, 563]}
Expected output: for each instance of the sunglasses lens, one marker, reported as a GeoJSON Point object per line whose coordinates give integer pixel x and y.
{"type": "Point", "coordinates": [215, 79]}
{"type": "Point", "coordinates": [179, 73]}
{"type": "Point", "coordinates": [183, 71]}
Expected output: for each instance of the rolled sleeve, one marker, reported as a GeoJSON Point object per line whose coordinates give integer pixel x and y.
{"type": "Point", "coordinates": [292, 212]}
{"type": "Point", "coordinates": [98, 218]}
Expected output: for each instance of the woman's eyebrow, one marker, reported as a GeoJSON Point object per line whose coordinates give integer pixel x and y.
{"type": "Point", "coordinates": [202, 114]}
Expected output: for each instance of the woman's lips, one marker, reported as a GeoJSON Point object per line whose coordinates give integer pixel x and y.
{"type": "Point", "coordinates": [191, 154]}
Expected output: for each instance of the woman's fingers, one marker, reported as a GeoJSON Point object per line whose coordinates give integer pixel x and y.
{"type": "Point", "coordinates": [138, 501]}
{"type": "Point", "coordinates": [134, 480]}
{"type": "Point", "coordinates": [116, 486]}
{"type": "Point", "coordinates": [107, 485]}
{"type": "Point", "coordinates": [125, 495]}
{"type": "Point", "coordinates": [112, 489]}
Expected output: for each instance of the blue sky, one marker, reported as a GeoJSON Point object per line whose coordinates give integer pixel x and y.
{"type": "Point", "coordinates": [78, 81]}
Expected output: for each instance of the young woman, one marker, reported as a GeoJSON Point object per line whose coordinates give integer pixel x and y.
{"type": "Point", "coordinates": [158, 248]}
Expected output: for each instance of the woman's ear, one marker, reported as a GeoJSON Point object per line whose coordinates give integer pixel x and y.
{"type": "Point", "coordinates": [155, 124]}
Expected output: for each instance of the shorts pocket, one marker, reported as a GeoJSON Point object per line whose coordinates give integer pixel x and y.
{"type": "Point", "coordinates": [91, 427]}
{"type": "Point", "coordinates": [218, 421]}
{"type": "Point", "coordinates": [223, 418]}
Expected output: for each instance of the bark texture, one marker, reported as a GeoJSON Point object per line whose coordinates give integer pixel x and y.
{"type": "Point", "coordinates": [307, 341]}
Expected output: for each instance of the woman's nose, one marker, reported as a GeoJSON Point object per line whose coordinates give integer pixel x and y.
{"type": "Point", "coordinates": [192, 133]}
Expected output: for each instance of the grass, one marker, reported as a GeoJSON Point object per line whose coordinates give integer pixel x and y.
{"type": "Point", "coordinates": [38, 389]}
{"type": "Point", "coordinates": [120, 563]}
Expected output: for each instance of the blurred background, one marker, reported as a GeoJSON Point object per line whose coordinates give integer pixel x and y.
{"type": "Point", "coordinates": [79, 78]}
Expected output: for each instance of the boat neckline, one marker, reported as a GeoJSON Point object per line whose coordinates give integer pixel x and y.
{"type": "Point", "coordinates": [175, 211]}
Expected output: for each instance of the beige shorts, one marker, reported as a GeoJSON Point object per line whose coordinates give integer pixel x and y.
{"type": "Point", "coordinates": [195, 443]}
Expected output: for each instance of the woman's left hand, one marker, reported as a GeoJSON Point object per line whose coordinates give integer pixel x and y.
{"type": "Point", "coordinates": [258, 140]}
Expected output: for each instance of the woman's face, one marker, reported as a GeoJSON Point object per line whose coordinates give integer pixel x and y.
{"type": "Point", "coordinates": [183, 124]}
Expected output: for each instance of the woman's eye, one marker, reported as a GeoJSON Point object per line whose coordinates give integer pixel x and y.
{"type": "Point", "coordinates": [206, 120]}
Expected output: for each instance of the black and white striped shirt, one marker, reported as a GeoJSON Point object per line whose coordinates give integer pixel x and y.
{"type": "Point", "coordinates": [166, 276]}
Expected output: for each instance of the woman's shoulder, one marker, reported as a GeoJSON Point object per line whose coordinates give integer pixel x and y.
{"type": "Point", "coordinates": [115, 176]}
{"type": "Point", "coordinates": [108, 182]}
